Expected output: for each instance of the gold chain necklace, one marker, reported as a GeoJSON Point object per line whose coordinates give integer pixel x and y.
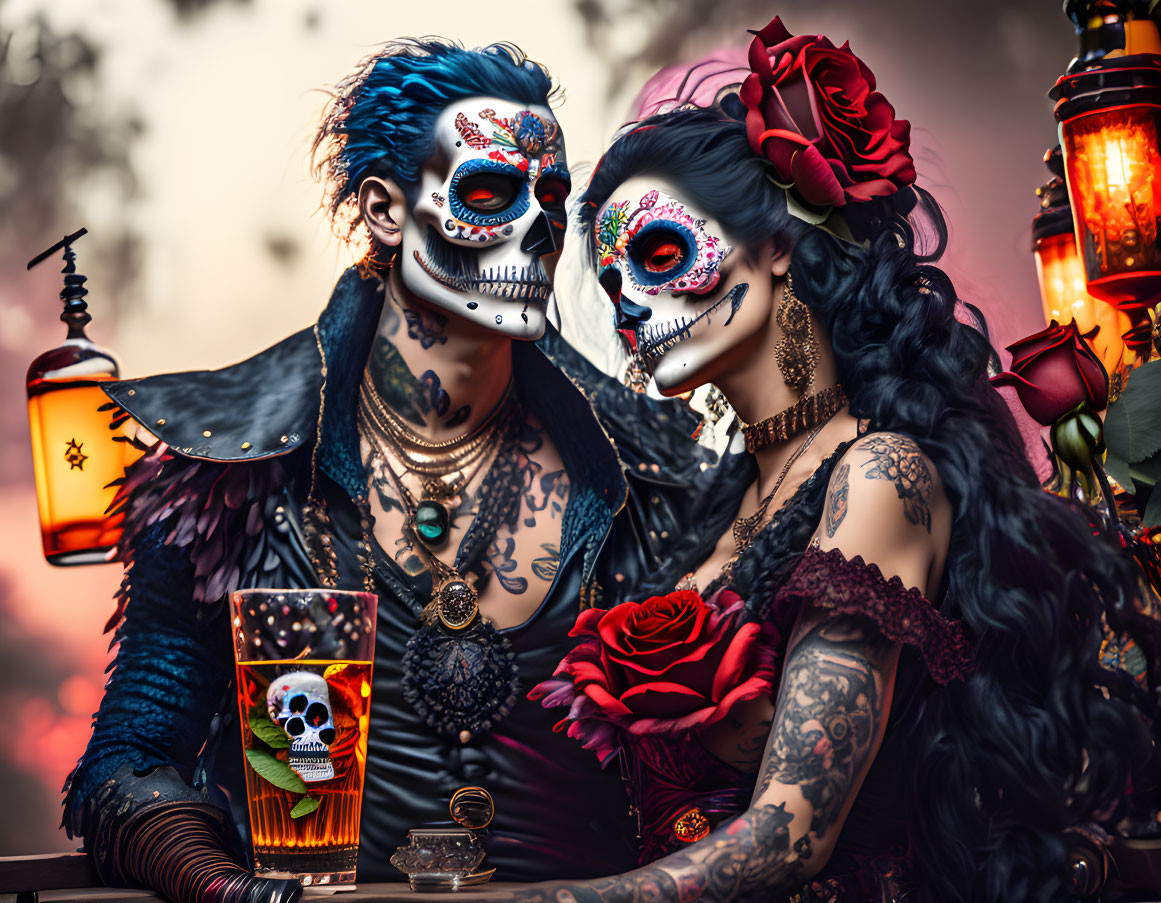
{"type": "Point", "coordinates": [450, 466]}
{"type": "Point", "coordinates": [416, 454]}
{"type": "Point", "coordinates": [403, 433]}
{"type": "Point", "coordinates": [745, 528]}
{"type": "Point", "coordinates": [454, 599]}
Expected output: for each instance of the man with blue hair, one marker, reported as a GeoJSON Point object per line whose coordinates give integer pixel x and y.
{"type": "Point", "coordinates": [416, 443]}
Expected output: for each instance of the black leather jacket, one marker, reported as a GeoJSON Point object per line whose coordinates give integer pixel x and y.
{"type": "Point", "coordinates": [220, 510]}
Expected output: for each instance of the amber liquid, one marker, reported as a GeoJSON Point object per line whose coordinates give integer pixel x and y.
{"type": "Point", "coordinates": [322, 846]}
{"type": "Point", "coordinates": [75, 458]}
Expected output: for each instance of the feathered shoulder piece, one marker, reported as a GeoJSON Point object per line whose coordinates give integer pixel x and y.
{"type": "Point", "coordinates": [218, 514]}
{"type": "Point", "coordinates": [230, 444]}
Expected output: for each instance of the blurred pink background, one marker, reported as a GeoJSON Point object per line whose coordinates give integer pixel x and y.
{"type": "Point", "coordinates": [176, 131]}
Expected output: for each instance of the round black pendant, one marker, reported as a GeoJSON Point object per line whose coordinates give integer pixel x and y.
{"type": "Point", "coordinates": [455, 603]}
{"type": "Point", "coordinates": [461, 681]}
{"type": "Point", "coordinates": [432, 522]}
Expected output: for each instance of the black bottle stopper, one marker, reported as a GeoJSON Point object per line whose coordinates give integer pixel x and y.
{"type": "Point", "coordinates": [76, 311]}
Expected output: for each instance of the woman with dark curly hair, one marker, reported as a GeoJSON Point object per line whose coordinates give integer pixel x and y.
{"type": "Point", "coordinates": [880, 679]}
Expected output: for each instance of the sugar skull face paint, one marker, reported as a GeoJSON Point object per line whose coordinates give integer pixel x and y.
{"type": "Point", "coordinates": [489, 205]}
{"type": "Point", "coordinates": [685, 301]}
{"type": "Point", "coordinates": [662, 245]}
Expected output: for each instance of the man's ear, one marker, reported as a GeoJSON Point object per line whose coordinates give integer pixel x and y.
{"type": "Point", "coordinates": [383, 209]}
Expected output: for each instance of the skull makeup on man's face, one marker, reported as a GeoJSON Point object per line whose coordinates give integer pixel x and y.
{"type": "Point", "coordinates": [300, 703]}
{"type": "Point", "coordinates": [676, 284]}
{"type": "Point", "coordinates": [489, 205]}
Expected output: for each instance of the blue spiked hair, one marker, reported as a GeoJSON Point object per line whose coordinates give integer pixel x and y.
{"type": "Point", "coordinates": [381, 118]}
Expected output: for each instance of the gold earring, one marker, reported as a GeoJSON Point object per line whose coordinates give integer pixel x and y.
{"type": "Point", "coordinates": [797, 350]}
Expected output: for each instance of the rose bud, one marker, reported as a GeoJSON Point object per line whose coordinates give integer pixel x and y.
{"type": "Point", "coordinates": [1054, 371]}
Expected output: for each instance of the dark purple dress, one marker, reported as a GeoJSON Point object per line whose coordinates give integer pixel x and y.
{"type": "Point", "coordinates": [776, 575]}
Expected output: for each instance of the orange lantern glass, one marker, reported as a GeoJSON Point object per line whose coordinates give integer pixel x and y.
{"type": "Point", "coordinates": [1062, 276]}
{"type": "Point", "coordinates": [1110, 129]}
{"type": "Point", "coordinates": [78, 447]}
{"type": "Point", "coordinates": [1062, 290]}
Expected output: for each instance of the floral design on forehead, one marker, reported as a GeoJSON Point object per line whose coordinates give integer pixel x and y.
{"type": "Point", "coordinates": [527, 140]}
{"type": "Point", "coordinates": [660, 246]}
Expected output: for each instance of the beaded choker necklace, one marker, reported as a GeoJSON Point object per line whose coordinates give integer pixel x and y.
{"type": "Point", "coordinates": [798, 418]}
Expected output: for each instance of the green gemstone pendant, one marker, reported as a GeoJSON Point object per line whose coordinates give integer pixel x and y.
{"type": "Point", "coordinates": [432, 522]}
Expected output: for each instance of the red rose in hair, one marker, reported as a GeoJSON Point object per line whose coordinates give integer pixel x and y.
{"type": "Point", "coordinates": [813, 111]}
{"type": "Point", "coordinates": [1055, 370]}
{"type": "Point", "coordinates": [668, 665]}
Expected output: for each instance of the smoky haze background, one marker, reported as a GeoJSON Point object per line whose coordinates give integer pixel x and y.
{"type": "Point", "coordinates": [176, 131]}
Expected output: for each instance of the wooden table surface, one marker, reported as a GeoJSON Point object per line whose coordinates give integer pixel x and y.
{"type": "Point", "coordinates": [364, 893]}
{"type": "Point", "coordinates": [60, 877]}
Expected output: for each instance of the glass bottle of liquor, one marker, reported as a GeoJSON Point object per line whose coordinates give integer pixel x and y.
{"type": "Point", "coordinates": [78, 450]}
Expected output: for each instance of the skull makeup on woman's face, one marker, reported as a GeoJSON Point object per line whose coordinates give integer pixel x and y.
{"type": "Point", "coordinates": [488, 206]}
{"type": "Point", "coordinates": [300, 703]}
{"type": "Point", "coordinates": [686, 301]}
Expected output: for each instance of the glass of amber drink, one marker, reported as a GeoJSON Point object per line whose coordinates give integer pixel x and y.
{"type": "Point", "coordinates": [304, 691]}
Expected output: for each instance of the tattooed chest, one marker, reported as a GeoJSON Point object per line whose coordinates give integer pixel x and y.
{"type": "Point", "coordinates": [517, 561]}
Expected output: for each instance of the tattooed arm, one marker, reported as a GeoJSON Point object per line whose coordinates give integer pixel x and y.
{"type": "Point", "coordinates": [831, 711]}
{"type": "Point", "coordinates": [886, 504]}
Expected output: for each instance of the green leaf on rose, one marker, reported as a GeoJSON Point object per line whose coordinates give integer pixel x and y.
{"type": "Point", "coordinates": [269, 732]}
{"type": "Point", "coordinates": [1133, 421]}
{"type": "Point", "coordinates": [1076, 438]}
{"type": "Point", "coordinates": [1118, 468]}
{"type": "Point", "coordinates": [1146, 473]}
{"type": "Point", "coordinates": [1151, 516]}
{"type": "Point", "coordinates": [304, 806]}
{"type": "Point", "coordinates": [275, 771]}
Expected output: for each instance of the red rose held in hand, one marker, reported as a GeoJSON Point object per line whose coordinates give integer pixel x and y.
{"type": "Point", "coordinates": [1054, 371]}
{"type": "Point", "coordinates": [667, 665]}
{"type": "Point", "coordinates": [813, 111]}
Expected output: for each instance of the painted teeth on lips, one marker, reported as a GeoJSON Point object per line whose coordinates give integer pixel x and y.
{"type": "Point", "coordinates": [512, 283]}
{"type": "Point", "coordinates": [653, 340]}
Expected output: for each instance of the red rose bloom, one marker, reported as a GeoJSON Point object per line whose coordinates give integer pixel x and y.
{"type": "Point", "coordinates": [1054, 371]}
{"type": "Point", "coordinates": [668, 665]}
{"type": "Point", "coordinates": [813, 111]}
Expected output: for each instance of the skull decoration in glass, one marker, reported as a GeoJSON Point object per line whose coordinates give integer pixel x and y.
{"type": "Point", "coordinates": [300, 703]}
{"type": "Point", "coordinates": [489, 205]}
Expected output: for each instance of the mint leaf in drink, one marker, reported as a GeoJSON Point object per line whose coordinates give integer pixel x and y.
{"type": "Point", "coordinates": [269, 733]}
{"type": "Point", "coordinates": [275, 772]}
{"type": "Point", "coordinates": [304, 806]}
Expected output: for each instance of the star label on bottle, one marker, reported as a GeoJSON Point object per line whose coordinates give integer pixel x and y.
{"type": "Point", "coordinates": [75, 456]}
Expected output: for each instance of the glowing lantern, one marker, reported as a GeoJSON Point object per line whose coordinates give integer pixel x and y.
{"type": "Point", "coordinates": [1062, 277]}
{"type": "Point", "coordinates": [1062, 289]}
{"type": "Point", "coordinates": [78, 447]}
{"type": "Point", "coordinates": [1110, 129]}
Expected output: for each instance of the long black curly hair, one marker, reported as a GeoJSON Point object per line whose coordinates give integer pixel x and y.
{"type": "Point", "coordinates": [1039, 739]}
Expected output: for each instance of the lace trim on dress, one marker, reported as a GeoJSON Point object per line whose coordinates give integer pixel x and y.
{"type": "Point", "coordinates": [852, 586]}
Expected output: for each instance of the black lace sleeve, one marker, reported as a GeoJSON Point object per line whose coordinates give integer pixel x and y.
{"type": "Point", "coordinates": [851, 586]}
